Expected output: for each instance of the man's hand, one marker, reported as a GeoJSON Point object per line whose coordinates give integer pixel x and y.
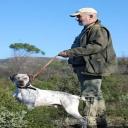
{"type": "Point", "coordinates": [63, 54]}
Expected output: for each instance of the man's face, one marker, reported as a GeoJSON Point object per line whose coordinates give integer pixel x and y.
{"type": "Point", "coordinates": [83, 19]}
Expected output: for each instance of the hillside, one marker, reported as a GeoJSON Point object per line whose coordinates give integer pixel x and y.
{"type": "Point", "coordinates": [31, 64]}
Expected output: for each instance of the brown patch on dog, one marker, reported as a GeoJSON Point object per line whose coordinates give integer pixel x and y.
{"type": "Point", "coordinates": [12, 78]}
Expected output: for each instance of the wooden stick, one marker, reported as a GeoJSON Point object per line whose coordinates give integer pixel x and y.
{"type": "Point", "coordinates": [44, 67]}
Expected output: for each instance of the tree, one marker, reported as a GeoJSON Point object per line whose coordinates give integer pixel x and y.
{"type": "Point", "coordinates": [21, 53]}
{"type": "Point", "coordinates": [24, 49]}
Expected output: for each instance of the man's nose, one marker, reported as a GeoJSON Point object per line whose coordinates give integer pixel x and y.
{"type": "Point", "coordinates": [77, 19]}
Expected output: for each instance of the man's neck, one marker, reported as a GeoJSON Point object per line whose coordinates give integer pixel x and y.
{"type": "Point", "coordinates": [90, 24]}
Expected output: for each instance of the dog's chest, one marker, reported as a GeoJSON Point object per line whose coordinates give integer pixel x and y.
{"type": "Point", "coordinates": [27, 96]}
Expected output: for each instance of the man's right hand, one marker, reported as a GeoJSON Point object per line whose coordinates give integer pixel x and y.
{"type": "Point", "coordinates": [63, 54]}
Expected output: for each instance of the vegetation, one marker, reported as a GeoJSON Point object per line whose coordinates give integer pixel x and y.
{"type": "Point", "coordinates": [10, 119]}
{"type": "Point", "coordinates": [59, 76]}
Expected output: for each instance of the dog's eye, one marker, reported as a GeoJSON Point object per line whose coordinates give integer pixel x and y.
{"type": "Point", "coordinates": [17, 78]}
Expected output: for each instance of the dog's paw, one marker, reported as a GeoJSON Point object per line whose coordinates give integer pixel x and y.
{"type": "Point", "coordinates": [55, 106]}
{"type": "Point", "coordinates": [30, 107]}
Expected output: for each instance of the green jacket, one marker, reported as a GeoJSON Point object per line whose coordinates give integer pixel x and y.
{"type": "Point", "coordinates": [93, 49]}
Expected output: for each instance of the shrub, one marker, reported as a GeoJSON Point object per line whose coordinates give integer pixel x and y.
{"type": "Point", "coordinates": [12, 119]}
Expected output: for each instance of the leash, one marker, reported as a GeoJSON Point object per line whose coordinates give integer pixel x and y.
{"type": "Point", "coordinates": [41, 70]}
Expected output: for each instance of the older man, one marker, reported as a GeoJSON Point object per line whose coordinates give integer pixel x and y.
{"type": "Point", "coordinates": [92, 56]}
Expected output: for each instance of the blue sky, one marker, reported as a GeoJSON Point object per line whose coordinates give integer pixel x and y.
{"type": "Point", "coordinates": [47, 25]}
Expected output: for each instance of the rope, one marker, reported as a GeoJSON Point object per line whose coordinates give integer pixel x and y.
{"type": "Point", "coordinates": [41, 70]}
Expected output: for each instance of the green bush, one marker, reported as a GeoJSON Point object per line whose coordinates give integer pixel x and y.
{"type": "Point", "coordinates": [10, 119]}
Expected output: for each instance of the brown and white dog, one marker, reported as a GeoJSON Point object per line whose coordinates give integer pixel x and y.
{"type": "Point", "coordinates": [34, 97]}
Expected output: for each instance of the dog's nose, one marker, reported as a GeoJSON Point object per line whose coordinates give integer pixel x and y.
{"type": "Point", "coordinates": [20, 81]}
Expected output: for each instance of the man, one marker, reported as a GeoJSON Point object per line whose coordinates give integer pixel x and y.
{"type": "Point", "coordinates": [92, 56]}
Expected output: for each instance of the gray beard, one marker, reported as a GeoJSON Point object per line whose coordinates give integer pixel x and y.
{"type": "Point", "coordinates": [80, 23]}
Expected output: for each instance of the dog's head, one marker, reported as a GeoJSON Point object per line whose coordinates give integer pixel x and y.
{"type": "Point", "coordinates": [20, 80]}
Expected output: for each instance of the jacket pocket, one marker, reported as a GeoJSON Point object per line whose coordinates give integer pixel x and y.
{"type": "Point", "coordinates": [98, 64]}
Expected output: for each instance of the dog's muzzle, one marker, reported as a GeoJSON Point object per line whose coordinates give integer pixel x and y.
{"type": "Point", "coordinates": [21, 85]}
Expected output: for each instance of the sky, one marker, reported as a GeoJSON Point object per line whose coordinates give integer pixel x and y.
{"type": "Point", "coordinates": [47, 25]}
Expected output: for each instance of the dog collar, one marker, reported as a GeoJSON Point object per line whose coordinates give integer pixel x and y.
{"type": "Point", "coordinates": [27, 86]}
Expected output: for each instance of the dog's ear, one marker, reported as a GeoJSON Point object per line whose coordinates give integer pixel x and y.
{"type": "Point", "coordinates": [30, 77]}
{"type": "Point", "coordinates": [12, 78]}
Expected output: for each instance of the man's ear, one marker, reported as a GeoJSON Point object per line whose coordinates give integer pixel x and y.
{"type": "Point", "coordinates": [12, 78]}
{"type": "Point", "coordinates": [30, 77]}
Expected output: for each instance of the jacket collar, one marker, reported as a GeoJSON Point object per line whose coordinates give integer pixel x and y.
{"type": "Point", "coordinates": [97, 22]}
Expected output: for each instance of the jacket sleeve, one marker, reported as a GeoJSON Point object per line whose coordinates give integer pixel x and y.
{"type": "Point", "coordinates": [97, 41]}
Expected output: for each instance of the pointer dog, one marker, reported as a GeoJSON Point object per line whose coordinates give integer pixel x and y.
{"type": "Point", "coordinates": [34, 97]}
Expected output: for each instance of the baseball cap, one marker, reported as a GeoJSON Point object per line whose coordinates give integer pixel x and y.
{"type": "Point", "coordinates": [84, 10]}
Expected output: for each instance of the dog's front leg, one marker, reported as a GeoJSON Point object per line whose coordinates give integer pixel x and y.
{"type": "Point", "coordinates": [15, 93]}
{"type": "Point", "coordinates": [83, 122]}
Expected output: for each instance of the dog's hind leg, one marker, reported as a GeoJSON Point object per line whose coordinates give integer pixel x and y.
{"type": "Point", "coordinates": [72, 109]}
{"type": "Point", "coordinates": [76, 114]}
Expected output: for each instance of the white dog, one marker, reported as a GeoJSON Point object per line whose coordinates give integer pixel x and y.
{"type": "Point", "coordinates": [34, 97]}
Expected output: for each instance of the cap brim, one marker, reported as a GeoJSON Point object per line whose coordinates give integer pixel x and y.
{"type": "Point", "coordinates": [74, 14]}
